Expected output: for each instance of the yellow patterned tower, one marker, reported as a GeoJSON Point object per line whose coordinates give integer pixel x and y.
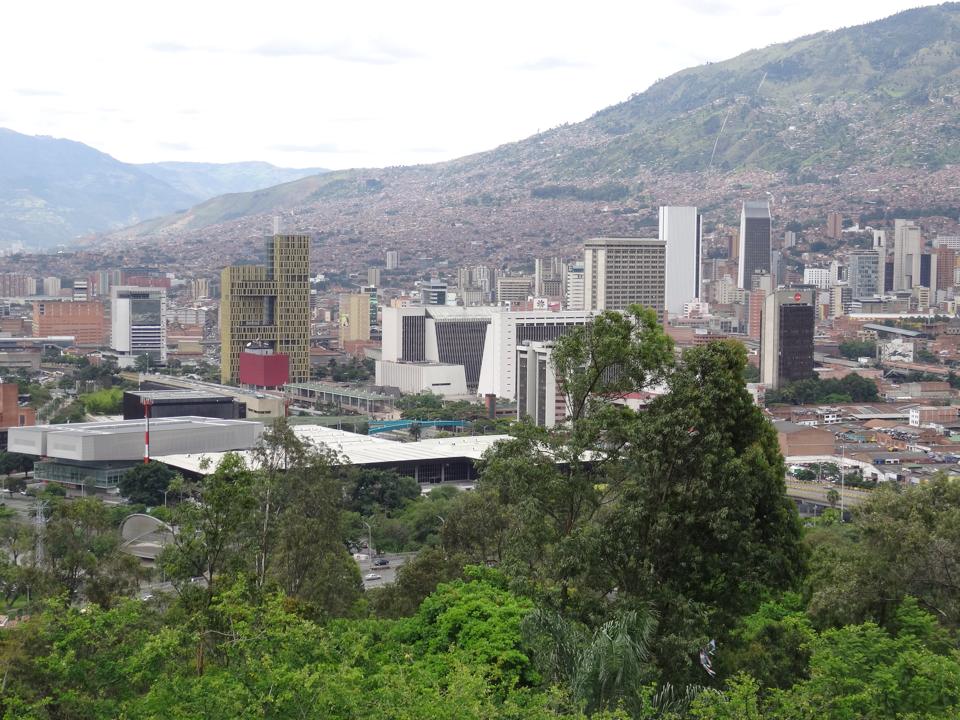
{"type": "Point", "coordinates": [270, 304]}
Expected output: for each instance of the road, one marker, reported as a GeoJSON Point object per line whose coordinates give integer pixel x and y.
{"type": "Point", "coordinates": [387, 573]}
{"type": "Point", "coordinates": [817, 492]}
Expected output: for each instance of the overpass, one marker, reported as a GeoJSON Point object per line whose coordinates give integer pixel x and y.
{"type": "Point", "coordinates": [379, 426]}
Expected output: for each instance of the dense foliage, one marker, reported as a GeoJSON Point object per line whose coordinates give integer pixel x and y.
{"type": "Point", "coordinates": [850, 388]}
{"type": "Point", "coordinates": [595, 571]}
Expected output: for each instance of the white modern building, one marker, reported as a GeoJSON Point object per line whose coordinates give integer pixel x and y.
{"type": "Point", "coordinates": [138, 324]}
{"type": "Point", "coordinates": [573, 299]}
{"type": "Point", "coordinates": [539, 396]}
{"type": "Point", "coordinates": [482, 340]}
{"type": "Point", "coordinates": [680, 230]}
{"type": "Point", "coordinates": [907, 247]}
{"type": "Point", "coordinates": [819, 277]}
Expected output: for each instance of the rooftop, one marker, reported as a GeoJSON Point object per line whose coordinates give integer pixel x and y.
{"type": "Point", "coordinates": [357, 449]}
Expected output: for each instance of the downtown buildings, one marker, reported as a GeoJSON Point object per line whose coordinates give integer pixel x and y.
{"type": "Point", "coordinates": [680, 229]}
{"type": "Point", "coordinates": [268, 305]}
{"type": "Point", "coordinates": [138, 324]}
{"type": "Point", "coordinates": [786, 341]}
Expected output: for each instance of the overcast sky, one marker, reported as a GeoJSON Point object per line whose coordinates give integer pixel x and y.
{"type": "Point", "coordinates": [348, 84]}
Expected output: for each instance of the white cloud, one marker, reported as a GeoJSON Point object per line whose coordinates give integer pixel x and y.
{"type": "Point", "coordinates": [361, 84]}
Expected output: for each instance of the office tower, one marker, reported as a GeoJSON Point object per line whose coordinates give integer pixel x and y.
{"type": "Point", "coordinates": [539, 395]}
{"type": "Point", "coordinates": [575, 285]}
{"type": "Point", "coordinates": [373, 276]}
{"type": "Point", "coordinates": [834, 225]}
{"type": "Point", "coordinates": [680, 229]}
{"type": "Point", "coordinates": [880, 239]}
{"type": "Point", "coordinates": [865, 273]}
{"type": "Point", "coordinates": [138, 324]}
{"type": "Point", "coordinates": [754, 240]}
{"type": "Point", "coordinates": [906, 254]}
{"type": "Point", "coordinates": [887, 276]}
{"type": "Point", "coordinates": [99, 284]}
{"type": "Point", "coordinates": [761, 285]}
{"type": "Point", "coordinates": [819, 277]}
{"type": "Point", "coordinates": [776, 267]}
{"type": "Point", "coordinates": [433, 292]}
{"type": "Point", "coordinates": [786, 343]}
{"type": "Point", "coordinates": [81, 291]}
{"type": "Point", "coordinates": [514, 288]}
{"type": "Point", "coordinates": [841, 298]}
{"type": "Point", "coordinates": [928, 271]}
{"type": "Point", "coordinates": [947, 241]}
{"type": "Point", "coordinates": [354, 317]}
{"type": "Point", "coordinates": [371, 291]}
{"type": "Point", "coordinates": [200, 288]}
{"type": "Point", "coordinates": [619, 272]}
{"type": "Point", "coordinates": [269, 304]}
{"type": "Point", "coordinates": [946, 264]}
{"type": "Point", "coordinates": [51, 286]}
{"type": "Point", "coordinates": [85, 321]}
{"type": "Point", "coordinates": [392, 260]}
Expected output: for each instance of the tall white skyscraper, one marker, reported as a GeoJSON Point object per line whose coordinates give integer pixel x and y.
{"type": "Point", "coordinates": [680, 229]}
{"type": "Point", "coordinates": [907, 248]}
{"type": "Point", "coordinates": [619, 272]}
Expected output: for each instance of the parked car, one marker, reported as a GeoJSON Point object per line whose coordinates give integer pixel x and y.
{"type": "Point", "coordinates": [371, 576]}
{"type": "Point", "coordinates": [381, 562]}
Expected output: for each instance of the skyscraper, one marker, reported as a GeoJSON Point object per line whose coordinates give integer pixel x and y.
{"type": "Point", "coordinates": [619, 272]}
{"type": "Point", "coordinates": [574, 287]}
{"type": "Point", "coordinates": [138, 324]}
{"type": "Point", "coordinates": [354, 317]}
{"type": "Point", "coordinates": [680, 229]}
{"type": "Point", "coordinates": [393, 260]}
{"type": "Point", "coordinates": [754, 240]}
{"type": "Point", "coordinates": [786, 343]}
{"type": "Point", "coordinates": [865, 273]}
{"type": "Point", "coordinates": [906, 254]}
{"type": "Point", "coordinates": [270, 304]}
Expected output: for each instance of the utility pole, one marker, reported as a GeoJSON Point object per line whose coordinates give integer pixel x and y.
{"type": "Point", "coordinates": [843, 456]}
{"type": "Point", "coordinates": [39, 525]}
{"type": "Point", "coordinates": [147, 404]}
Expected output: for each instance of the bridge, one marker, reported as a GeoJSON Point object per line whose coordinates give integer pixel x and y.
{"type": "Point", "coordinates": [379, 426]}
{"type": "Point", "coordinates": [811, 497]}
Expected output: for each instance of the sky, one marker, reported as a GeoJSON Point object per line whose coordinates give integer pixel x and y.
{"type": "Point", "coordinates": [359, 84]}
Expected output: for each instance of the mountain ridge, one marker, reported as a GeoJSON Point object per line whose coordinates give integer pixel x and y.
{"type": "Point", "coordinates": [54, 190]}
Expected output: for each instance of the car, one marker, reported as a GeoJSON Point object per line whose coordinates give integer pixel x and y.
{"type": "Point", "coordinates": [371, 576]}
{"type": "Point", "coordinates": [381, 562]}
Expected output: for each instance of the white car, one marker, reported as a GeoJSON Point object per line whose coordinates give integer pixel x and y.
{"type": "Point", "coordinates": [371, 576]}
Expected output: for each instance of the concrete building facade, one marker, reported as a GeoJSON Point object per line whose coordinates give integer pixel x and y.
{"type": "Point", "coordinates": [619, 272]}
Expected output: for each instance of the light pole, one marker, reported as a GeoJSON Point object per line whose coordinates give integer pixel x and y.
{"type": "Point", "coordinates": [165, 496]}
{"type": "Point", "coordinates": [369, 537]}
{"type": "Point", "coordinates": [843, 456]}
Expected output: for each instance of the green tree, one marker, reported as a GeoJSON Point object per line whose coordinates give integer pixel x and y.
{"type": "Point", "coordinates": [145, 484]}
{"type": "Point", "coordinates": [854, 349]}
{"type": "Point", "coordinates": [858, 572]}
{"type": "Point", "coordinates": [367, 490]}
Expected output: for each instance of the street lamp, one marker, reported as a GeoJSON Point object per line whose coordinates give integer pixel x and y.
{"type": "Point", "coordinates": [369, 536]}
{"type": "Point", "coordinates": [165, 496]}
{"type": "Point", "coordinates": [843, 449]}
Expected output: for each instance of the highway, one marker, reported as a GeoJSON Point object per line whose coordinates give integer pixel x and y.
{"type": "Point", "coordinates": [817, 493]}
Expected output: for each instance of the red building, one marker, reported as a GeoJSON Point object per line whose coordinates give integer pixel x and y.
{"type": "Point", "coordinates": [264, 369]}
